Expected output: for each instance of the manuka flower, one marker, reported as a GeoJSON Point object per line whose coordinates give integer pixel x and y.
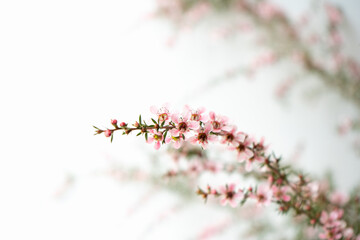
{"type": "Point", "coordinates": [230, 195]}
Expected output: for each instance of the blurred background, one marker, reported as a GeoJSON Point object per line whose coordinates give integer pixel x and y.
{"type": "Point", "coordinates": [68, 65]}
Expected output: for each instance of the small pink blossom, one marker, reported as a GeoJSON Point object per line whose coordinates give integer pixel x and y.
{"type": "Point", "coordinates": [339, 198]}
{"type": "Point", "coordinates": [213, 166]}
{"type": "Point", "coordinates": [203, 136]}
{"type": "Point", "coordinates": [230, 195]}
{"type": "Point", "coordinates": [333, 13]}
{"type": "Point", "coordinates": [280, 193]}
{"type": "Point", "coordinates": [157, 137]}
{"type": "Point", "coordinates": [331, 219]}
{"type": "Point", "coordinates": [231, 136]}
{"type": "Point", "coordinates": [183, 124]}
{"type": "Point", "coordinates": [348, 233]}
{"type": "Point", "coordinates": [163, 113]}
{"type": "Point", "coordinates": [218, 122]}
{"type": "Point", "coordinates": [177, 140]}
{"type": "Point", "coordinates": [197, 115]}
{"type": "Point", "coordinates": [243, 149]}
{"type": "Point", "coordinates": [258, 154]}
{"type": "Point", "coordinates": [195, 168]}
{"type": "Point", "coordinates": [263, 195]}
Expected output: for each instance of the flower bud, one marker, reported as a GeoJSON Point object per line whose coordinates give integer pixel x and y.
{"type": "Point", "coordinates": [122, 124]}
{"type": "Point", "coordinates": [136, 124]}
{"type": "Point", "coordinates": [113, 121]}
{"type": "Point", "coordinates": [108, 133]}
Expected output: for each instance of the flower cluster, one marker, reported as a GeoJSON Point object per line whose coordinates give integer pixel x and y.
{"type": "Point", "coordinates": [282, 185]}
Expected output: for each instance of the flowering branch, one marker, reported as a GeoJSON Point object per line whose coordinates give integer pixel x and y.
{"type": "Point", "coordinates": [286, 39]}
{"type": "Point", "coordinates": [282, 185]}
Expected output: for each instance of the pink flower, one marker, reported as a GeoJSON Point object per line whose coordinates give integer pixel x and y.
{"type": "Point", "coordinates": [157, 137]}
{"type": "Point", "coordinates": [107, 133]}
{"type": "Point", "coordinates": [330, 234]}
{"type": "Point", "coordinates": [280, 193]}
{"type": "Point", "coordinates": [203, 136]}
{"type": "Point", "coordinates": [218, 122]}
{"type": "Point", "coordinates": [231, 137]}
{"type": "Point", "coordinates": [243, 149]}
{"type": "Point", "coordinates": [339, 198]}
{"type": "Point", "coordinates": [195, 168]}
{"type": "Point", "coordinates": [213, 166]}
{"type": "Point", "coordinates": [263, 195]}
{"type": "Point", "coordinates": [348, 233]}
{"type": "Point", "coordinates": [231, 196]}
{"type": "Point", "coordinates": [183, 124]}
{"type": "Point", "coordinates": [332, 219]}
{"type": "Point", "coordinates": [177, 140]}
{"type": "Point", "coordinates": [258, 155]}
{"type": "Point", "coordinates": [333, 13]}
{"type": "Point", "coordinates": [197, 115]}
{"type": "Point", "coordinates": [163, 113]}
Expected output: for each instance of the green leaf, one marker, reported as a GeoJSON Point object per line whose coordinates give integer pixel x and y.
{"type": "Point", "coordinates": [112, 136]}
{"type": "Point", "coordinates": [154, 121]}
{"type": "Point", "coordinates": [146, 136]}
{"type": "Point", "coordinates": [162, 124]}
{"type": "Point", "coordinates": [138, 134]}
{"type": "Point", "coordinates": [164, 136]}
{"type": "Point", "coordinates": [140, 119]}
{"type": "Point", "coordinates": [96, 127]}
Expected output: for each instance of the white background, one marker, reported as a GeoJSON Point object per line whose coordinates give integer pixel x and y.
{"type": "Point", "coordinates": [68, 65]}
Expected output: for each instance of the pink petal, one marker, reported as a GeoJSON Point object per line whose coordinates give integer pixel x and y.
{"type": "Point", "coordinates": [193, 125]}
{"type": "Point", "coordinates": [207, 128]}
{"type": "Point", "coordinates": [212, 116]}
{"type": "Point", "coordinates": [286, 198]}
{"type": "Point", "coordinates": [242, 157]}
{"type": "Point", "coordinates": [233, 203]}
{"type": "Point", "coordinates": [177, 144]}
{"type": "Point", "coordinates": [249, 153]}
{"type": "Point", "coordinates": [223, 201]}
{"type": "Point", "coordinates": [204, 118]}
{"type": "Point", "coordinates": [154, 109]}
{"type": "Point", "coordinates": [174, 132]}
{"type": "Point", "coordinates": [212, 138]}
{"type": "Point", "coordinates": [201, 110]}
{"type": "Point", "coordinates": [231, 187]}
{"type": "Point", "coordinates": [175, 118]}
{"type": "Point", "coordinates": [193, 139]}
{"type": "Point", "coordinates": [167, 140]}
{"type": "Point", "coordinates": [157, 145]}
{"type": "Point", "coordinates": [248, 166]}
{"type": "Point", "coordinates": [150, 139]}
{"type": "Point", "coordinates": [166, 105]}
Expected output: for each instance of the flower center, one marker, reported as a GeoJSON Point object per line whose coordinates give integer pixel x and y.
{"type": "Point", "coordinates": [182, 126]}
{"type": "Point", "coordinates": [202, 137]}
{"type": "Point", "coordinates": [261, 197]}
{"type": "Point", "coordinates": [157, 137]}
{"type": "Point", "coordinates": [163, 117]}
{"type": "Point", "coordinates": [229, 137]}
{"type": "Point", "coordinates": [195, 117]}
{"type": "Point", "coordinates": [216, 124]}
{"type": "Point", "coordinates": [241, 147]}
{"type": "Point", "coordinates": [230, 195]}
